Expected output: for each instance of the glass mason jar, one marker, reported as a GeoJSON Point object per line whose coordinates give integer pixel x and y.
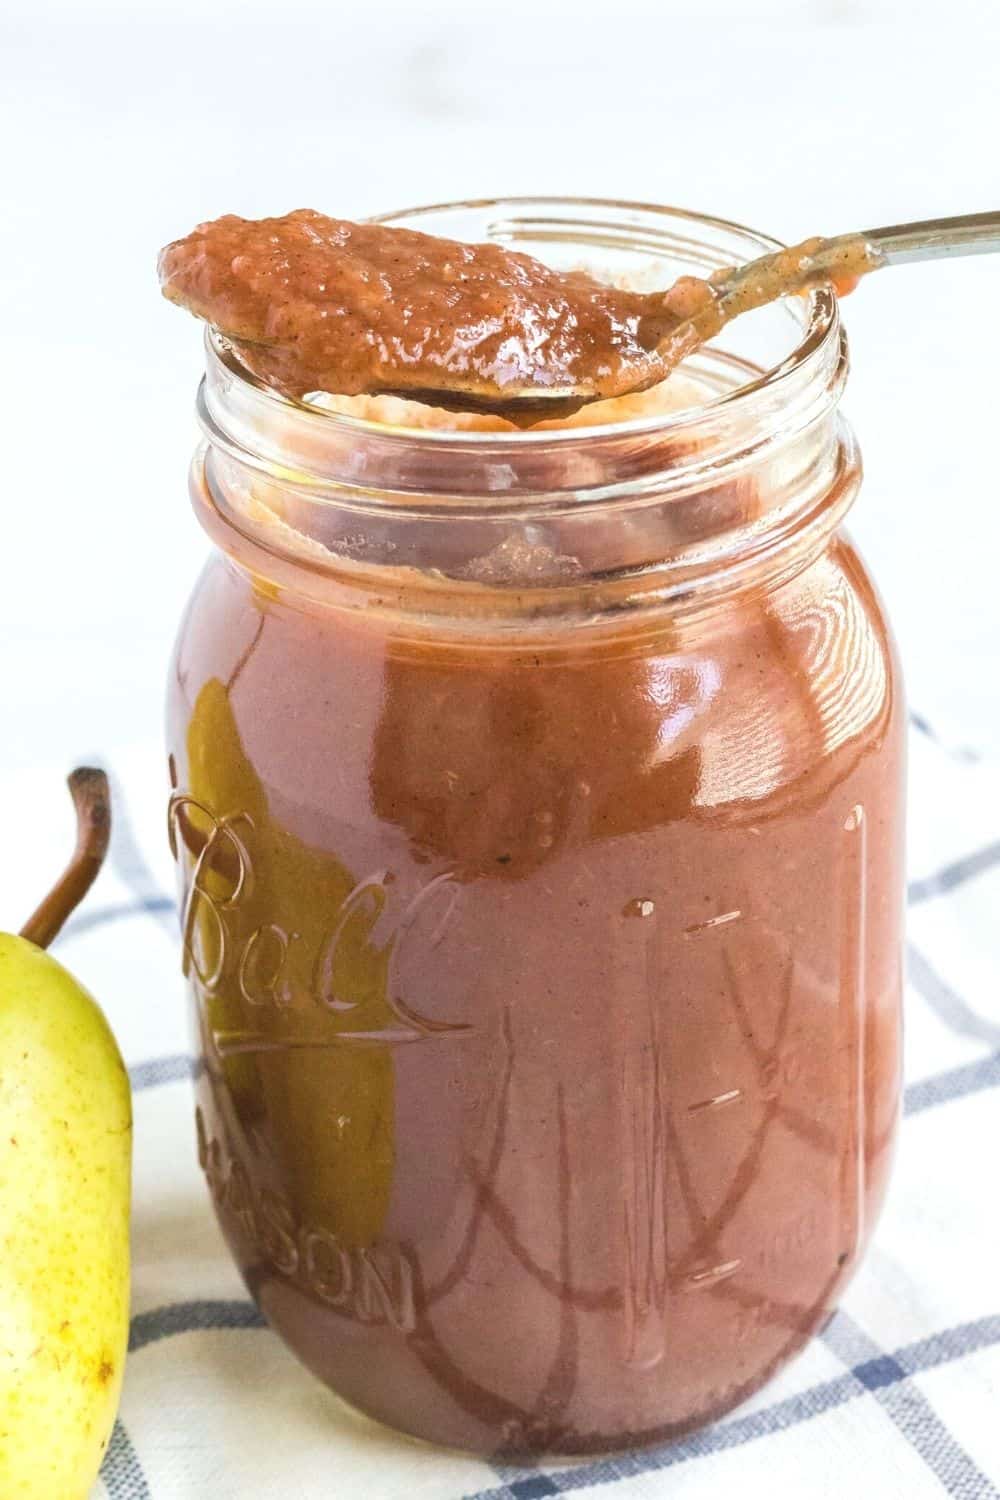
{"type": "Point", "coordinates": [538, 805]}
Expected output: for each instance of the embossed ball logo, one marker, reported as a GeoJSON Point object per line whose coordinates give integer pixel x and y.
{"type": "Point", "coordinates": [374, 924]}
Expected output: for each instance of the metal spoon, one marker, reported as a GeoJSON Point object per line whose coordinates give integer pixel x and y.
{"type": "Point", "coordinates": [692, 318]}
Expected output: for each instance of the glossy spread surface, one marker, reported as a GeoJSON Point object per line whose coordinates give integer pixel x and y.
{"type": "Point", "coordinates": [312, 304]}
{"type": "Point", "coordinates": [542, 915]}
{"type": "Point", "coordinates": [548, 995]}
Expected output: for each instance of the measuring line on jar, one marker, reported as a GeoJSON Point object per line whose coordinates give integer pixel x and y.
{"type": "Point", "coordinates": [716, 1102]}
{"type": "Point", "coordinates": [720, 921]}
{"type": "Point", "coordinates": [712, 1275]}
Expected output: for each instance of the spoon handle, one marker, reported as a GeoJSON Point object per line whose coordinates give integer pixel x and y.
{"type": "Point", "coordinates": [969, 234]}
{"type": "Point", "coordinates": [842, 261]}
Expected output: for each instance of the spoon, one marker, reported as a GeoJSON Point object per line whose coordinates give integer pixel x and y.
{"type": "Point", "coordinates": [312, 304]}
{"type": "Point", "coordinates": [697, 315]}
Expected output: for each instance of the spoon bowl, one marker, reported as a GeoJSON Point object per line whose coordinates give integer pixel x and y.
{"type": "Point", "coordinates": [839, 261]}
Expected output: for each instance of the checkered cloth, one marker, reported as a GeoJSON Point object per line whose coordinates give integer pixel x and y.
{"type": "Point", "coordinates": [899, 1399]}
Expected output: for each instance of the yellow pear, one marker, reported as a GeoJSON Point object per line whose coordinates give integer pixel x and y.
{"type": "Point", "coordinates": [65, 1186]}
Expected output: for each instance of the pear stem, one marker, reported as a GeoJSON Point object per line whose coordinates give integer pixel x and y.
{"type": "Point", "coordinates": [92, 800]}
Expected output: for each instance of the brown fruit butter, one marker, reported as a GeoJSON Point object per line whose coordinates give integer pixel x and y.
{"type": "Point", "coordinates": [543, 927]}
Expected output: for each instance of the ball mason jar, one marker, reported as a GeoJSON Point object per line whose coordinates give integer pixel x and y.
{"type": "Point", "coordinates": [537, 799]}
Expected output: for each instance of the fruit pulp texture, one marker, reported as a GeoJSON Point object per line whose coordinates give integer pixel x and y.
{"type": "Point", "coordinates": [312, 303]}
{"type": "Point", "coordinates": [548, 993]}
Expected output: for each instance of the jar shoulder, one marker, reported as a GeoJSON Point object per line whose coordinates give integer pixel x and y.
{"type": "Point", "coordinates": [774, 699]}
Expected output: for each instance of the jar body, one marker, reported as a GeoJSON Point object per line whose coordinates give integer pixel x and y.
{"type": "Point", "coordinates": [548, 992]}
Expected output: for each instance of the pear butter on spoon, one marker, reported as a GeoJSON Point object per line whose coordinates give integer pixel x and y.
{"type": "Point", "coordinates": [313, 304]}
{"type": "Point", "coordinates": [316, 304]}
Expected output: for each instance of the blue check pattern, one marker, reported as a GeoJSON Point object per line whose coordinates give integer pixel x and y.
{"type": "Point", "coordinates": [910, 1413]}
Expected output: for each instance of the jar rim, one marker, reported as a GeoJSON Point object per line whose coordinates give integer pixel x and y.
{"type": "Point", "coordinates": [678, 507]}
{"type": "Point", "coordinates": [822, 319]}
{"type": "Point", "coordinates": [238, 409]}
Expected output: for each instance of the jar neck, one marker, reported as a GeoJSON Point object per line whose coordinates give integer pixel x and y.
{"type": "Point", "coordinates": [677, 508]}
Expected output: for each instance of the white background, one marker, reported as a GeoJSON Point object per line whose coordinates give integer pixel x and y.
{"type": "Point", "coordinates": [120, 127]}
